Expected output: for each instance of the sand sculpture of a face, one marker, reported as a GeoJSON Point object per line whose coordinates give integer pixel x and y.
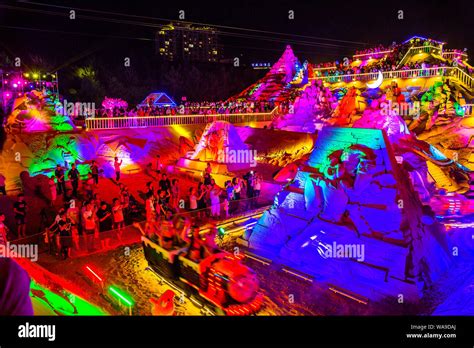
{"type": "Point", "coordinates": [213, 144]}
{"type": "Point", "coordinates": [347, 163]}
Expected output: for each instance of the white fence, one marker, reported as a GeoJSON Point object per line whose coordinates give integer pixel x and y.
{"type": "Point", "coordinates": [454, 72]}
{"type": "Point", "coordinates": [163, 121]}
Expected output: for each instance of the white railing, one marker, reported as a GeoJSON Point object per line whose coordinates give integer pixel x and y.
{"type": "Point", "coordinates": [417, 50]}
{"type": "Point", "coordinates": [455, 72]}
{"type": "Point", "coordinates": [450, 55]}
{"type": "Point", "coordinates": [425, 49]}
{"type": "Point", "coordinates": [461, 76]}
{"type": "Point", "coordinates": [163, 121]}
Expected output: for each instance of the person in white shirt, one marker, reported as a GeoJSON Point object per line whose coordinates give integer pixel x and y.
{"type": "Point", "coordinates": [192, 199]}
{"type": "Point", "coordinates": [90, 225]}
{"type": "Point", "coordinates": [117, 214]}
{"type": "Point", "coordinates": [215, 201]}
{"type": "Point", "coordinates": [237, 188]}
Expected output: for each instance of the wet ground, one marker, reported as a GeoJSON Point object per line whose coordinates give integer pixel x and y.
{"type": "Point", "coordinates": [127, 270]}
{"type": "Point", "coordinates": [284, 294]}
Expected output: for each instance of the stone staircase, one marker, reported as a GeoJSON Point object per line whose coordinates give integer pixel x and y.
{"type": "Point", "coordinates": [441, 179]}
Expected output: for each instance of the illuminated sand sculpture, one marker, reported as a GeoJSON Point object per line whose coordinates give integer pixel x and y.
{"type": "Point", "coordinates": [352, 193]}
{"type": "Point", "coordinates": [360, 212]}
{"type": "Point", "coordinates": [39, 111]}
{"type": "Point", "coordinates": [220, 146]}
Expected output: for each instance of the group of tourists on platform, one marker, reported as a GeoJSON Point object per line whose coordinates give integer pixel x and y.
{"type": "Point", "coordinates": [189, 108]}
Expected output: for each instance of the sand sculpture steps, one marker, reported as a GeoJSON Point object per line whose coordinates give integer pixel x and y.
{"type": "Point", "coordinates": [442, 180]}
{"type": "Point", "coordinates": [400, 257]}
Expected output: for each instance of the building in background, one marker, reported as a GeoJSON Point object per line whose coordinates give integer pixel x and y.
{"type": "Point", "coordinates": [261, 66]}
{"type": "Point", "coordinates": [186, 42]}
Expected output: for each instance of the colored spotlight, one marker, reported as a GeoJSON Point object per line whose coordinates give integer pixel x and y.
{"type": "Point", "coordinates": [221, 231]}
{"type": "Point", "coordinates": [94, 274]}
{"type": "Point", "coordinates": [121, 296]}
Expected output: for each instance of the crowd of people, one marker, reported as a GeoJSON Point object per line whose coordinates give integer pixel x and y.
{"type": "Point", "coordinates": [81, 212]}
{"type": "Point", "coordinates": [88, 215]}
{"type": "Point", "coordinates": [392, 55]}
{"type": "Point", "coordinates": [172, 229]}
{"type": "Point", "coordinates": [83, 218]}
{"type": "Point", "coordinates": [376, 49]}
{"type": "Point", "coordinates": [164, 197]}
{"type": "Point", "coordinates": [379, 65]}
{"type": "Point", "coordinates": [188, 108]}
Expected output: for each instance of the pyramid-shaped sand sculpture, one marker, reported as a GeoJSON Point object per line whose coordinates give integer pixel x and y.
{"type": "Point", "coordinates": [220, 145]}
{"type": "Point", "coordinates": [274, 82]}
{"type": "Point", "coordinates": [351, 218]}
{"type": "Point", "coordinates": [285, 65]}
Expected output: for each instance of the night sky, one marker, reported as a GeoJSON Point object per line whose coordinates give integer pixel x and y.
{"type": "Point", "coordinates": [352, 24]}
